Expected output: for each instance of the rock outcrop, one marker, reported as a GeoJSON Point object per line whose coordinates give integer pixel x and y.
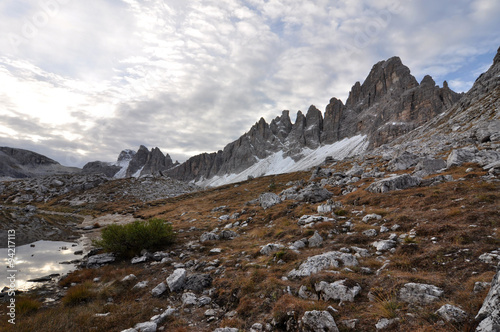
{"type": "Point", "coordinates": [387, 105]}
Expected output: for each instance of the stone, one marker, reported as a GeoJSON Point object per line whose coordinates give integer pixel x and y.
{"type": "Point", "coordinates": [370, 232]}
{"type": "Point", "coordinates": [159, 289]}
{"type": "Point", "coordinates": [489, 314]}
{"type": "Point", "coordinates": [271, 248]}
{"type": "Point", "coordinates": [189, 299]}
{"type": "Point", "coordinates": [257, 327]}
{"type": "Point", "coordinates": [416, 293]}
{"type": "Point", "coordinates": [177, 280]}
{"type": "Point", "coordinates": [385, 323]}
{"type": "Point", "coordinates": [228, 235]}
{"type": "Point", "coordinates": [130, 277]}
{"type": "Point", "coordinates": [459, 156]}
{"type": "Point", "coordinates": [226, 329]}
{"type": "Point", "coordinates": [268, 200]}
{"type": "Point", "coordinates": [403, 162]}
{"type": "Point", "coordinates": [141, 285]}
{"type": "Point", "coordinates": [394, 183]}
{"type": "Point", "coordinates": [305, 293]}
{"type": "Point", "coordinates": [209, 236]}
{"type": "Point", "coordinates": [315, 241]}
{"type": "Point", "coordinates": [198, 282]}
{"type": "Point", "coordinates": [161, 318]}
{"type": "Point", "coordinates": [146, 327]}
{"type": "Point", "coordinates": [350, 323]}
{"type": "Point", "coordinates": [137, 260]}
{"type": "Point", "coordinates": [318, 321]}
{"type": "Point", "coordinates": [384, 245]}
{"type": "Point", "coordinates": [315, 264]}
{"type": "Point", "coordinates": [372, 216]}
{"type": "Point", "coordinates": [101, 259]}
{"type": "Point", "coordinates": [337, 291]}
{"type": "Point", "coordinates": [429, 166]}
{"type": "Point", "coordinates": [451, 313]}
{"type": "Point", "coordinates": [481, 286]}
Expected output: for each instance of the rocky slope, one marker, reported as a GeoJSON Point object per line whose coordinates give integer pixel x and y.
{"type": "Point", "coordinates": [19, 163]}
{"type": "Point", "coordinates": [389, 103]}
{"type": "Point", "coordinates": [133, 164]}
{"type": "Point", "coordinates": [473, 122]}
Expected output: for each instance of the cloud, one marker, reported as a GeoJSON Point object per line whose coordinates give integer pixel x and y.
{"type": "Point", "coordinates": [191, 76]}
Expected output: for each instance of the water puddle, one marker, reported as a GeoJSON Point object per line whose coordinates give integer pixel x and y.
{"type": "Point", "coordinates": [38, 260]}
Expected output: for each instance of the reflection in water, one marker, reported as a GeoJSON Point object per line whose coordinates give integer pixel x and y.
{"type": "Point", "coordinates": [39, 259]}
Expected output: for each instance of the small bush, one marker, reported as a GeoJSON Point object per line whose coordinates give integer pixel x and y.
{"type": "Point", "coordinates": [79, 294]}
{"type": "Point", "coordinates": [26, 305]}
{"type": "Point", "coordinates": [128, 240]}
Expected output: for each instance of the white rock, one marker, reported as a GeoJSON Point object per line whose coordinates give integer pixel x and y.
{"type": "Point", "coordinates": [384, 245]}
{"type": "Point", "coordinates": [141, 285]}
{"type": "Point", "coordinates": [420, 293]}
{"type": "Point", "coordinates": [271, 248]}
{"type": "Point", "coordinates": [159, 289]}
{"type": "Point", "coordinates": [189, 299]}
{"type": "Point", "coordinates": [176, 280]}
{"type": "Point", "coordinates": [315, 264]}
{"type": "Point", "coordinates": [337, 291]}
{"type": "Point", "coordinates": [372, 216]}
{"type": "Point", "coordinates": [451, 313]}
{"type": "Point", "coordinates": [316, 240]}
{"type": "Point", "coordinates": [318, 321]}
{"type": "Point", "coordinates": [146, 327]}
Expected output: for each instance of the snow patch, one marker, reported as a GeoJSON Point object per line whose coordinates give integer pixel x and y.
{"type": "Point", "coordinates": [277, 163]}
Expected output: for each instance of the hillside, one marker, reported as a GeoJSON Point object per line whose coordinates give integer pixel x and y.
{"type": "Point", "coordinates": [403, 237]}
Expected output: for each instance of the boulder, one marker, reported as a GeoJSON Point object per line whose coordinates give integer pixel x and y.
{"type": "Point", "coordinates": [337, 290]}
{"type": "Point", "coordinates": [315, 241]}
{"type": "Point", "coordinates": [403, 162]}
{"type": "Point", "coordinates": [100, 259]}
{"type": "Point", "coordinates": [159, 289]}
{"type": "Point", "coordinates": [385, 323]}
{"type": "Point", "coordinates": [318, 321]}
{"type": "Point", "coordinates": [429, 166]}
{"type": "Point", "coordinates": [271, 248]}
{"type": "Point", "coordinates": [198, 282]}
{"type": "Point", "coordinates": [189, 299]}
{"type": "Point", "coordinates": [394, 183]}
{"type": "Point", "coordinates": [452, 314]}
{"type": "Point", "coordinates": [177, 280]}
{"type": "Point", "coordinates": [267, 200]}
{"type": "Point", "coordinates": [227, 235]}
{"type": "Point", "coordinates": [372, 216]}
{"type": "Point", "coordinates": [315, 264]}
{"type": "Point", "coordinates": [146, 327]}
{"type": "Point", "coordinates": [384, 245]}
{"type": "Point", "coordinates": [489, 314]}
{"type": "Point", "coordinates": [420, 293]}
{"type": "Point", "coordinates": [209, 236]}
{"type": "Point", "coordinates": [459, 156]}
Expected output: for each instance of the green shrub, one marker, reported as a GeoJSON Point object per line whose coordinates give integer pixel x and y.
{"type": "Point", "coordinates": [128, 240]}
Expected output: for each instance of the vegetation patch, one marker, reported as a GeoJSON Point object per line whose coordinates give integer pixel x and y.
{"type": "Point", "coordinates": [128, 240]}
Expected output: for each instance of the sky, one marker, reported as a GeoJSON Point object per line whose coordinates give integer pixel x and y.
{"type": "Point", "coordinates": [82, 80]}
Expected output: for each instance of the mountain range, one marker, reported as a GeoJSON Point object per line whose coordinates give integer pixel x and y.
{"type": "Point", "coordinates": [389, 108]}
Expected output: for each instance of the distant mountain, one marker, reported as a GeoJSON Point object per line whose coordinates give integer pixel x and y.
{"type": "Point", "coordinates": [133, 164]}
{"type": "Point", "coordinates": [388, 104]}
{"type": "Point", "coordinates": [19, 163]}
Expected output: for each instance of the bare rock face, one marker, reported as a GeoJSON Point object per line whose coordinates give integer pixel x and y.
{"type": "Point", "coordinates": [389, 103]}
{"type": "Point", "coordinates": [489, 314]}
{"type": "Point", "coordinates": [138, 161]}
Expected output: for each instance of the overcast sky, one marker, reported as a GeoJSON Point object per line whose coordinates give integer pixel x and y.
{"type": "Point", "coordinates": [83, 80]}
